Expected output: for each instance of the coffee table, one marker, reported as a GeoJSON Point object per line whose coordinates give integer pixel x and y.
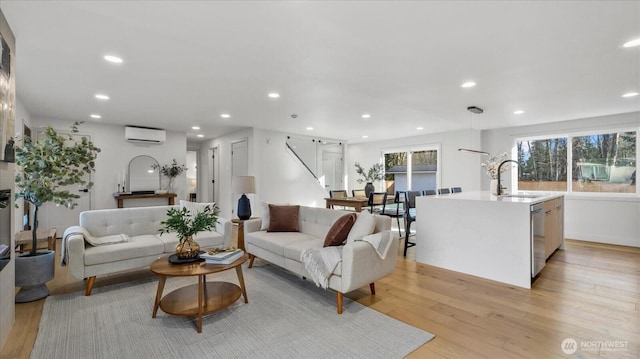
{"type": "Point", "coordinates": [201, 298]}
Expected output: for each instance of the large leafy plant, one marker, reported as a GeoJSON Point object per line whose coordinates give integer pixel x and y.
{"type": "Point", "coordinates": [49, 166]}
{"type": "Point", "coordinates": [185, 224]}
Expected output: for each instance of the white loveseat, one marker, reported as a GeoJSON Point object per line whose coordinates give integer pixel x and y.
{"type": "Point", "coordinates": [140, 227]}
{"type": "Point", "coordinates": [361, 264]}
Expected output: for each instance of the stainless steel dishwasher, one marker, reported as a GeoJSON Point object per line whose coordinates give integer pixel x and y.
{"type": "Point", "coordinates": [537, 239]}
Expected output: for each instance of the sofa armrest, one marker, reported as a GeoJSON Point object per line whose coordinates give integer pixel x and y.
{"type": "Point", "coordinates": [362, 265]}
{"type": "Point", "coordinates": [75, 259]}
{"type": "Point", "coordinates": [252, 225]}
{"type": "Point", "coordinates": [224, 227]}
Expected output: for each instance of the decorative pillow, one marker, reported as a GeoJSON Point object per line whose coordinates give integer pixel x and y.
{"type": "Point", "coordinates": [98, 241]}
{"type": "Point", "coordinates": [195, 207]}
{"type": "Point", "coordinates": [364, 226]}
{"type": "Point", "coordinates": [339, 230]}
{"type": "Point", "coordinates": [283, 218]}
{"type": "Point", "coordinates": [266, 218]}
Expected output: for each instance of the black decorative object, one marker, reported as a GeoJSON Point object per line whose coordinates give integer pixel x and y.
{"type": "Point", "coordinates": [368, 189]}
{"type": "Point", "coordinates": [173, 259]}
{"type": "Point", "coordinates": [244, 207]}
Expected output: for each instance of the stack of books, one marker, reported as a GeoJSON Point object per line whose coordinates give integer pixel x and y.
{"type": "Point", "coordinates": [225, 256]}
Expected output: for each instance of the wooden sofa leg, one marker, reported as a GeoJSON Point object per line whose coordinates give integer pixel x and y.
{"type": "Point", "coordinates": [372, 286]}
{"type": "Point", "coordinates": [251, 258]}
{"type": "Point", "coordinates": [87, 291]}
{"type": "Point", "coordinates": [339, 301]}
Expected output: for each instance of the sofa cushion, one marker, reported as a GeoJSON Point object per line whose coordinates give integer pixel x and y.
{"type": "Point", "coordinates": [265, 214]}
{"type": "Point", "coordinates": [283, 218]}
{"type": "Point", "coordinates": [195, 207]}
{"type": "Point", "coordinates": [275, 242]}
{"type": "Point", "coordinates": [339, 230]}
{"type": "Point", "coordinates": [364, 226]}
{"type": "Point", "coordinates": [137, 246]}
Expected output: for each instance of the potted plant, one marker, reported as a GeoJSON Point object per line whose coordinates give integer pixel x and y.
{"type": "Point", "coordinates": [186, 225]}
{"type": "Point", "coordinates": [375, 173]}
{"type": "Point", "coordinates": [171, 171]}
{"type": "Point", "coordinates": [48, 167]}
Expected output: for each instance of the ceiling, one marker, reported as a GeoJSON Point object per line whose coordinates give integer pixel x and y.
{"type": "Point", "coordinates": [402, 62]}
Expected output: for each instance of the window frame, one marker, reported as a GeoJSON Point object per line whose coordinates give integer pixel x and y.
{"type": "Point", "coordinates": [416, 148]}
{"type": "Point", "coordinates": [570, 135]}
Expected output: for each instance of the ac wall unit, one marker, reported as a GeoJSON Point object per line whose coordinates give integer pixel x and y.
{"type": "Point", "coordinates": [145, 135]}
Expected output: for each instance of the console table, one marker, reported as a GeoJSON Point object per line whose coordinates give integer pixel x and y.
{"type": "Point", "coordinates": [120, 197]}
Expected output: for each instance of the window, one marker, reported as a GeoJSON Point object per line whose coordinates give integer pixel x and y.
{"type": "Point", "coordinates": [600, 162]}
{"type": "Point", "coordinates": [411, 170]}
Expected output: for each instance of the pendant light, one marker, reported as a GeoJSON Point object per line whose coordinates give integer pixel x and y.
{"type": "Point", "coordinates": [476, 110]}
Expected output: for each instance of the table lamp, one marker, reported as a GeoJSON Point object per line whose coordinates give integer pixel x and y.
{"type": "Point", "coordinates": [243, 184]}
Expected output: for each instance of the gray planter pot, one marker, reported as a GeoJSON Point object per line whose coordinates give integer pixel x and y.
{"type": "Point", "coordinates": [32, 274]}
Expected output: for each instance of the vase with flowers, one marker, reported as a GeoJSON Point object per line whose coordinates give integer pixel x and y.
{"type": "Point", "coordinates": [375, 173]}
{"type": "Point", "coordinates": [491, 165]}
{"type": "Point", "coordinates": [171, 171]}
{"type": "Point", "coordinates": [186, 225]}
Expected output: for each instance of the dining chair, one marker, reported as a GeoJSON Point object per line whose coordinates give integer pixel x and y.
{"type": "Point", "coordinates": [443, 191]}
{"type": "Point", "coordinates": [397, 209]}
{"type": "Point", "coordinates": [359, 193]}
{"type": "Point", "coordinates": [338, 193]}
{"type": "Point", "coordinates": [377, 202]}
{"type": "Point", "coordinates": [456, 189]}
{"type": "Point", "coordinates": [429, 192]}
{"type": "Point", "coordinates": [410, 217]}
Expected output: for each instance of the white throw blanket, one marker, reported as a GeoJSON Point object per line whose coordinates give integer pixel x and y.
{"type": "Point", "coordinates": [64, 247]}
{"type": "Point", "coordinates": [380, 241]}
{"type": "Point", "coordinates": [321, 262]}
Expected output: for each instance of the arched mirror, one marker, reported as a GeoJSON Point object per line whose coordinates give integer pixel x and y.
{"type": "Point", "coordinates": [143, 176]}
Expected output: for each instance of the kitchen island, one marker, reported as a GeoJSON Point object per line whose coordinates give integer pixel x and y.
{"type": "Point", "coordinates": [489, 236]}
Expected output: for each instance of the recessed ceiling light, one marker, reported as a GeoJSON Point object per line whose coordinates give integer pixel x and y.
{"type": "Point", "coordinates": [468, 84]}
{"type": "Point", "coordinates": [200, 135]}
{"type": "Point", "coordinates": [195, 127]}
{"type": "Point", "coordinates": [102, 96]}
{"type": "Point", "coordinates": [630, 94]}
{"type": "Point", "coordinates": [114, 59]}
{"type": "Point", "coordinates": [632, 43]}
{"type": "Point", "coordinates": [225, 115]}
{"type": "Point", "coordinates": [365, 136]}
{"type": "Point", "coordinates": [518, 112]}
{"type": "Point", "coordinates": [95, 116]}
{"type": "Point", "coordinates": [366, 115]}
{"type": "Point", "coordinates": [274, 95]}
{"type": "Point", "coordinates": [309, 128]}
{"type": "Point", "coordinates": [420, 128]}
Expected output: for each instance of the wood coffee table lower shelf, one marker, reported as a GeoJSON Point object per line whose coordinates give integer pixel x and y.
{"type": "Point", "coordinates": [201, 298]}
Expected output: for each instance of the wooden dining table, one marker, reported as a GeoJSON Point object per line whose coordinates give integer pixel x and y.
{"type": "Point", "coordinates": [357, 203]}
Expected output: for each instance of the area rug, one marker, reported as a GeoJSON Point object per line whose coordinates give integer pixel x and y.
{"type": "Point", "coordinates": [286, 317]}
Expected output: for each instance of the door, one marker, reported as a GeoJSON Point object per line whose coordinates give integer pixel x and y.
{"type": "Point", "coordinates": [59, 217]}
{"type": "Point", "coordinates": [239, 166]}
{"type": "Point", "coordinates": [213, 181]}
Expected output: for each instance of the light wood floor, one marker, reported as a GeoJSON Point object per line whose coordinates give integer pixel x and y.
{"type": "Point", "coordinates": [588, 292]}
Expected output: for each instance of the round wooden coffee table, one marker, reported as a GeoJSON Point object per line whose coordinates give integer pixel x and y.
{"type": "Point", "coordinates": [197, 299]}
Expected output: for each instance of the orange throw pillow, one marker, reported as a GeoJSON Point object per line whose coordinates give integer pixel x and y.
{"type": "Point", "coordinates": [283, 218]}
{"type": "Point", "coordinates": [339, 230]}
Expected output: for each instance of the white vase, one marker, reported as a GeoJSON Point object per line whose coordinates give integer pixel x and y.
{"type": "Point", "coordinates": [493, 187]}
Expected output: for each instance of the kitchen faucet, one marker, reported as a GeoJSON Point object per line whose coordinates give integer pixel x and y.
{"type": "Point", "coordinates": [499, 191]}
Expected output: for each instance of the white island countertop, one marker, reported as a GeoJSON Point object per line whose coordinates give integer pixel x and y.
{"type": "Point", "coordinates": [478, 233]}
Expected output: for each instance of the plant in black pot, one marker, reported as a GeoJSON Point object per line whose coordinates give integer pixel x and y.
{"type": "Point", "coordinates": [375, 173]}
{"type": "Point", "coordinates": [47, 170]}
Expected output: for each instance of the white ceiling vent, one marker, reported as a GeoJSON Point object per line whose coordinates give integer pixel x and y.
{"type": "Point", "coordinates": [145, 135]}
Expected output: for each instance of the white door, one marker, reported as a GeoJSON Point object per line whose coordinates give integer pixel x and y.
{"type": "Point", "coordinates": [239, 167]}
{"type": "Point", "coordinates": [59, 217]}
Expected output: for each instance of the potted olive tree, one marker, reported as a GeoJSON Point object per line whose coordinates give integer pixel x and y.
{"type": "Point", "coordinates": [46, 169]}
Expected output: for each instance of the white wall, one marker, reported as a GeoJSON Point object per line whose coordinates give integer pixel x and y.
{"type": "Point", "coordinates": [115, 155]}
{"type": "Point", "coordinates": [592, 217]}
{"type": "Point", "coordinates": [457, 169]}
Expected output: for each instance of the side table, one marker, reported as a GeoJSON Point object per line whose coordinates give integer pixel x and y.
{"type": "Point", "coordinates": [48, 234]}
{"type": "Point", "coordinates": [240, 223]}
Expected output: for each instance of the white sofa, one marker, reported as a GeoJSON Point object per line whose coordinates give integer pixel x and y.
{"type": "Point", "coordinates": [141, 226]}
{"type": "Point", "coordinates": [361, 264]}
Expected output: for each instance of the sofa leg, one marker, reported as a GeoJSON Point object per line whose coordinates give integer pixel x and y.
{"type": "Point", "coordinates": [372, 286]}
{"type": "Point", "coordinates": [339, 301]}
{"type": "Point", "coordinates": [251, 258]}
{"type": "Point", "coordinates": [87, 291]}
